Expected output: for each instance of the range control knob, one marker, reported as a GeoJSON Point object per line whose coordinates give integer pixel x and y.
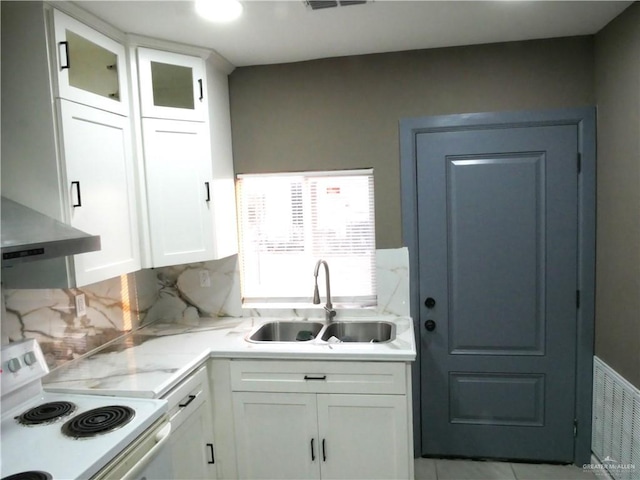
{"type": "Point", "coordinates": [29, 358]}
{"type": "Point", "coordinates": [14, 365]}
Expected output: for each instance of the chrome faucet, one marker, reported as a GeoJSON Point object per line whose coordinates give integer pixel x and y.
{"type": "Point", "coordinates": [328, 308]}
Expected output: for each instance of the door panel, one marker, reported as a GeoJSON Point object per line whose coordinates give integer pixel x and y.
{"type": "Point", "coordinates": [497, 237]}
{"type": "Point", "coordinates": [484, 196]}
{"type": "Point", "coordinates": [270, 427]}
{"type": "Point", "coordinates": [476, 398]}
{"type": "Point", "coordinates": [363, 436]}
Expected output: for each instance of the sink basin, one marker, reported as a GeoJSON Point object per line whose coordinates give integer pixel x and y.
{"type": "Point", "coordinates": [286, 332]}
{"type": "Point", "coordinates": [361, 332]}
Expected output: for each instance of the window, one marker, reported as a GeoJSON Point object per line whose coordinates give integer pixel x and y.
{"type": "Point", "coordinates": [289, 221]}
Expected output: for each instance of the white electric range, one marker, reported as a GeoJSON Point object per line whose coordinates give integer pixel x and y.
{"type": "Point", "coordinates": [59, 436]}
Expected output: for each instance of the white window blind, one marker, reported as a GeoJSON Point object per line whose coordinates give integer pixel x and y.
{"type": "Point", "coordinates": [289, 221]}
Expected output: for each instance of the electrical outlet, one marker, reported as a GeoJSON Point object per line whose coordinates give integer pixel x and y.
{"type": "Point", "coordinates": [81, 305]}
{"type": "Point", "coordinates": [205, 279]}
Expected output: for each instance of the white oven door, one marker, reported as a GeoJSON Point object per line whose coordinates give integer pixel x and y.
{"type": "Point", "coordinates": [142, 460]}
{"type": "Point", "coordinates": [157, 466]}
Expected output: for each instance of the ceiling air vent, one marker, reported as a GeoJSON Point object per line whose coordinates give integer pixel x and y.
{"type": "Point", "coordinates": [320, 4]}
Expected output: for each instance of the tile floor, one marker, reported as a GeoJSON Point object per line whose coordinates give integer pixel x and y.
{"type": "Point", "coordinates": [441, 469]}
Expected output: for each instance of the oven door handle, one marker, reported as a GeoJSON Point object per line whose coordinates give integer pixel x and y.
{"type": "Point", "coordinates": [161, 438]}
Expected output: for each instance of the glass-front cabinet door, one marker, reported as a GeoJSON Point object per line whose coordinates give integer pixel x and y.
{"type": "Point", "coordinates": [91, 67]}
{"type": "Point", "coordinates": [172, 86]}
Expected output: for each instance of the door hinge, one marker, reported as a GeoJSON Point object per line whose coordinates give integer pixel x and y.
{"type": "Point", "coordinates": [579, 162]}
{"type": "Point", "coordinates": [575, 427]}
{"type": "Point", "coordinates": [577, 298]}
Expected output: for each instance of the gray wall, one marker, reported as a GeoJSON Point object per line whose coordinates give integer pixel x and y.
{"type": "Point", "coordinates": [617, 54]}
{"type": "Point", "coordinates": [344, 112]}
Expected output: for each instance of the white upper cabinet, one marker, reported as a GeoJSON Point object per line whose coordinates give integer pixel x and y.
{"type": "Point", "coordinates": [187, 162]}
{"type": "Point", "coordinates": [172, 86]}
{"type": "Point", "coordinates": [71, 158]}
{"type": "Point", "coordinates": [223, 193]}
{"type": "Point", "coordinates": [179, 182]}
{"type": "Point", "coordinates": [156, 185]}
{"type": "Point", "coordinates": [91, 67]}
{"type": "Point", "coordinates": [101, 190]}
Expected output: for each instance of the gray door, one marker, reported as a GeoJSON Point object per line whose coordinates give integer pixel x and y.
{"type": "Point", "coordinates": [497, 238]}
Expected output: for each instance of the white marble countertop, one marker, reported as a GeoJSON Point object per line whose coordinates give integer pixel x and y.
{"type": "Point", "coordinates": [152, 360]}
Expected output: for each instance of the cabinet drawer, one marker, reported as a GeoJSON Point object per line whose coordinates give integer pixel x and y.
{"type": "Point", "coordinates": [187, 397]}
{"type": "Point", "coordinates": [318, 377]}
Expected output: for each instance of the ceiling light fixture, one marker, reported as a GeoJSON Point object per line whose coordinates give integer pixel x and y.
{"type": "Point", "coordinates": [219, 10]}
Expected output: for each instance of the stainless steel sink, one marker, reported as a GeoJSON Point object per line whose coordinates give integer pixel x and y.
{"type": "Point", "coordinates": [360, 332]}
{"type": "Point", "coordinates": [286, 332]}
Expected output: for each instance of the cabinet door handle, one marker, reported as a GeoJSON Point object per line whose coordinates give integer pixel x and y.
{"type": "Point", "coordinates": [191, 399]}
{"type": "Point", "coordinates": [315, 377]}
{"type": "Point", "coordinates": [206, 185]}
{"type": "Point", "coordinates": [67, 65]}
{"type": "Point", "coordinates": [201, 90]}
{"type": "Point", "coordinates": [78, 196]}
{"type": "Point", "coordinates": [213, 460]}
{"type": "Point", "coordinates": [324, 451]}
{"type": "Point", "coordinates": [313, 451]}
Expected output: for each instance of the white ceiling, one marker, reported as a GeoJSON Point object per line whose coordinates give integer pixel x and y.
{"type": "Point", "coordinates": [288, 31]}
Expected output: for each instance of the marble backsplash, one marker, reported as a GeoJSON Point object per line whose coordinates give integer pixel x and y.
{"type": "Point", "coordinates": [50, 316]}
{"type": "Point", "coordinates": [392, 278]}
{"type": "Point", "coordinates": [180, 294]}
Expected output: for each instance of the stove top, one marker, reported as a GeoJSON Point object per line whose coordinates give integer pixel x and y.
{"type": "Point", "coordinates": [59, 436]}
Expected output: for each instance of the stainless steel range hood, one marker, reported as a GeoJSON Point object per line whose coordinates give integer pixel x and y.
{"type": "Point", "coordinates": [28, 235]}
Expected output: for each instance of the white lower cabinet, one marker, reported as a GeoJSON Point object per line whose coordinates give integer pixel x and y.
{"type": "Point", "coordinates": [276, 435]}
{"type": "Point", "coordinates": [289, 435]}
{"type": "Point", "coordinates": [190, 448]}
{"type": "Point", "coordinates": [190, 455]}
{"type": "Point", "coordinates": [363, 436]}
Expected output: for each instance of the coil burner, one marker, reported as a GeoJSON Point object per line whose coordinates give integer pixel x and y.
{"type": "Point", "coordinates": [46, 413]}
{"type": "Point", "coordinates": [98, 421]}
{"type": "Point", "coordinates": [32, 475]}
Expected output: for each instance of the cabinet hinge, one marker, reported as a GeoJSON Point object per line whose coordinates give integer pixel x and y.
{"type": "Point", "coordinates": [579, 162]}
{"type": "Point", "coordinates": [575, 427]}
{"type": "Point", "coordinates": [577, 298]}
